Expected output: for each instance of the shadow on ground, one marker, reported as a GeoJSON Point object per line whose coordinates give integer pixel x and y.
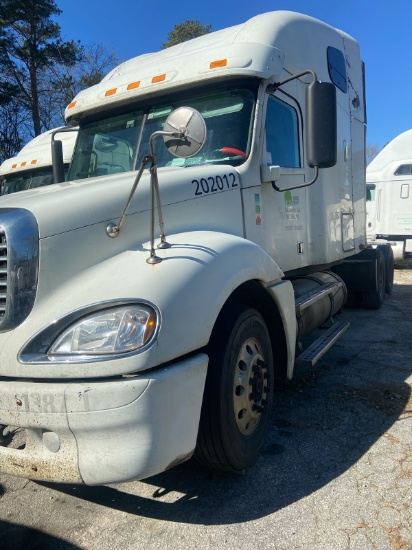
{"type": "Point", "coordinates": [323, 422]}
{"type": "Point", "coordinates": [13, 536]}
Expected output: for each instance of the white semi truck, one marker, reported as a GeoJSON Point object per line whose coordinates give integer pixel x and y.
{"type": "Point", "coordinates": [216, 192]}
{"type": "Point", "coordinates": [389, 196]}
{"type": "Point", "coordinates": [32, 167]}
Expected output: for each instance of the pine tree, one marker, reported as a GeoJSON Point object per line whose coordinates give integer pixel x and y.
{"type": "Point", "coordinates": [30, 45]}
{"type": "Point", "coordinates": [191, 28]}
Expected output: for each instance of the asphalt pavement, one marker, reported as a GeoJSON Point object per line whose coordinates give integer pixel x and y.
{"type": "Point", "coordinates": [335, 472]}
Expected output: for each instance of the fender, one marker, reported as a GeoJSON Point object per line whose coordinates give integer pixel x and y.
{"type": "Point", "coordinates": [189, 287]}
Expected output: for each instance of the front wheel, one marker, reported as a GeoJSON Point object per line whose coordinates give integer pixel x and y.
{"type": "Point", "coordinates": [238, 395]}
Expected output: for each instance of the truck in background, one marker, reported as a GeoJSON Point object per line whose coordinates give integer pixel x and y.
{"type": "Point", "coordinates": [124, 354]}
{"type": "Point", "coordinates": [32, 167]}
{"type": "Point", "coordinates": [389, 196]}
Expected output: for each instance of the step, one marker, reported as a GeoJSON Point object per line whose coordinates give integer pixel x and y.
{"type": "Point", "coordinates": [313, 296]}
{"type": "Point", "coordinates": [319, 347]}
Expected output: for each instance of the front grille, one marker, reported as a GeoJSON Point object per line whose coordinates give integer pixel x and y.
{"type": "Point", "coordinates": [19, 264]}
{"type": "Point", "coordinates": [3, 274]}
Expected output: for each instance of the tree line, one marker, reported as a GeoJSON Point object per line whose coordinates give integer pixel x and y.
{"type": "Point", "coordinates": [40, 72]}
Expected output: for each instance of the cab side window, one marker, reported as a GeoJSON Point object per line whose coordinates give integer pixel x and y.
{"type": "Point", "coordinates": [282, 138]}
{"type": "Point", "coordinates": [370, 193]}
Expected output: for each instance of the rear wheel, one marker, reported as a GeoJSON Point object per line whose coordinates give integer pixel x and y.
{"type": "Point", "coordinates": [373, 299]}
{"type": "Point", "coordinates": [239, 391]}
{"type": "Point", "coordinates": [389, 267]}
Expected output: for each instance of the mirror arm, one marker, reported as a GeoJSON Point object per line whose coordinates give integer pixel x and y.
{"type": "Point", "coordinates": [155, 193]}
{"type": "Point", "coordinates": [315, 177]}
{"type": "Point", "coordinates": [273, 87]}
{"type": "Point", "coordinates": [113, 229]}
{"type": "Point", "coordinates": [182, 133]}
{"type": "Point", "coordinates": [178, 135]}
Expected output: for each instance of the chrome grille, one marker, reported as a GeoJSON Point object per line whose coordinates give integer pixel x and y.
{"type": "Point", "coordinates": [19, 263]}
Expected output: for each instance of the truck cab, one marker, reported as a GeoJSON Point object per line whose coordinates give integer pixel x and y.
{"type": "Point", "coordinates": [163, 292]}
{"type": "Point", "coordinates": [32, 167]}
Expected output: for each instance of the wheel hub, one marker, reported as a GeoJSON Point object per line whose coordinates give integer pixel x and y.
{"type": "Point", "coordinates": [250, 386]}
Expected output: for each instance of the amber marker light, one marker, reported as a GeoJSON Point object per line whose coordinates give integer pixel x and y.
{"type": "Point", "coordinates": [34, 161]}
{"type": "Point", "coordinates": [133, 85]}
{"type": "Point", "coordinates": [218, 63]}
{"type": "Point", "coordinates": [23, 163]}
{"type": "Point", "coordinates": [150, 327]}
{"type": "Point", "coordinates": [158, 78]}
{"type": "Point", "coordinates": [71, 105]}
{"type": "Point", "coordinates": [110, 92]}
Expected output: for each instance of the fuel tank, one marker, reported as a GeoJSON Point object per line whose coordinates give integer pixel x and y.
{"type": "Point", "coordinates": [318, 297]}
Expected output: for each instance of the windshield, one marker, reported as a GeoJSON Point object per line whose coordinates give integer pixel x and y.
{"type": "Point", "coordinates": [118, 143]}
{"type": "Point", "coordinates": [29, 179]}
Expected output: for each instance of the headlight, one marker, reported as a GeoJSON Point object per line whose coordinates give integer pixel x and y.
{"type": "Point", "coordinates": [117, 330]}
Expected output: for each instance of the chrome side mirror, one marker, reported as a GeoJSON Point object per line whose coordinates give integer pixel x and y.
{"type": "Point", "coordinates": [191, 126]}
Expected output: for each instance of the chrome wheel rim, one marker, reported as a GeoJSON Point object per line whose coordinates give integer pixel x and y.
{"type": "Point", "coordinates": [250, 386]}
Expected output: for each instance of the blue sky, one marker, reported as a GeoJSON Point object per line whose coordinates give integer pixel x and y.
{"type": "Point", "coordinates": [131, 28]}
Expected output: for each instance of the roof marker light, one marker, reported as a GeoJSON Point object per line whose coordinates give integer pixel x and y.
{"type": "Point", "coordinates": [14, 166]}
{"type": "Point", "coordinates": [158, 78]}
{"type": "Point", "coordinates": [23, 163]}
{"type": "Point", "coordinates": [110, 92]}
{"type": "Point", "coordinates": [71, 105]}
{"type": "Point", "coordinates": [133, 85]}
{"type": "Point", "coordinates": [218, 63]}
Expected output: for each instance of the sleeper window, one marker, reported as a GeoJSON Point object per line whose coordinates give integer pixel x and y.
{"type": "Point", "coordinates": [404, 170]}
{"type": "Point", "coordinates": [337, 68]}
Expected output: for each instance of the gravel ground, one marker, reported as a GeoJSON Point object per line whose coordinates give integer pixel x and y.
{"type": "Point", "coordinates": [335, 472]}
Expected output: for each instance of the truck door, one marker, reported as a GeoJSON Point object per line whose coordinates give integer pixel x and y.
{"type": "Point", "coordinates": [285, 219]}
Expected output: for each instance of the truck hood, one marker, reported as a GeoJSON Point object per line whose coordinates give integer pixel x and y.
{"type": "Point", "coordinates": [72, 205]}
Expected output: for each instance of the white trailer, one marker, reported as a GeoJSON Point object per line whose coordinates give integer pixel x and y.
{"type": "Point", "coordinates": [170, 284]}
{"type": "Point", "coordinates": [32, 167]}
{"type": "Point", "coordinates": [389, 195]}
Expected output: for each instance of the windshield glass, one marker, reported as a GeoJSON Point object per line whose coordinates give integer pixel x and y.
{"type": "Point", "coordinates": [20, 181]}
{"type": "Point", "coordinates": [118, 143]}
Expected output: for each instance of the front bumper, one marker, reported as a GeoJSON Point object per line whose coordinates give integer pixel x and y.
{"type": "Point", "coordinates": [104, 432]}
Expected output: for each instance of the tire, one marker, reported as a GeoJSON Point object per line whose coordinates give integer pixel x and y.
{"type": "Point", "coordinates": [374, 298]}
{"type": "Point", "coordinates": [238, 394]}
{"type": "Point", "coordinates": [389, 267]}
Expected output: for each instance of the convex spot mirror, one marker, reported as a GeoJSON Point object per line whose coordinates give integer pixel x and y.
{"type": "Point", "coordinates": [192, 125]}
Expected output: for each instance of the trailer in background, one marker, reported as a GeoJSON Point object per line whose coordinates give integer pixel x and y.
{"type": "Point", "coordinates": [389, 196]}
{"type": "Point", "coordinates": [32, 167]}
